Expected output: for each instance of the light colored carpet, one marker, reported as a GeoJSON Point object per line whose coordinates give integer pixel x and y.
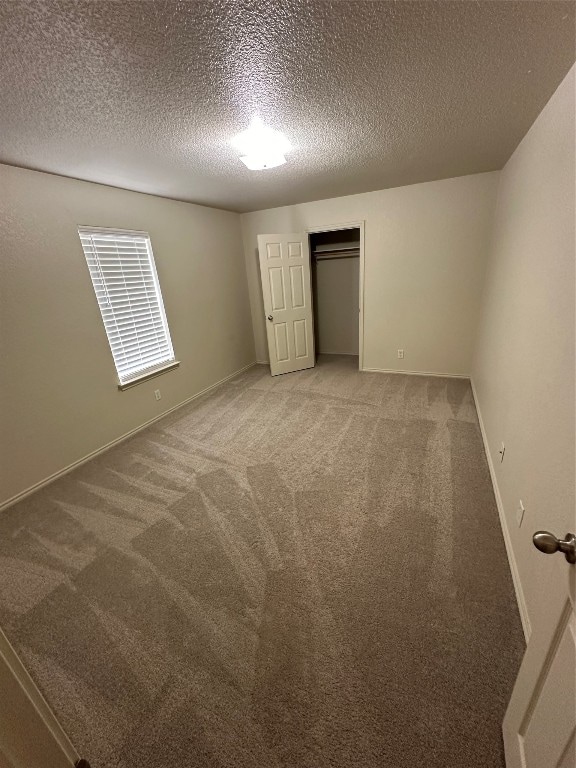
{"type": "Point", "coordinates": [305, 571]}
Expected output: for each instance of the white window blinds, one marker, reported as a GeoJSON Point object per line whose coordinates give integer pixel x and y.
{"type": "Point", "coordinates": [124, 277]}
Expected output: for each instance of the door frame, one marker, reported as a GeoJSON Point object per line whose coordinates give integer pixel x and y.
{"type": "Point", "coordinates": [44, 725]}
{"type": "Point", "coordinates": [335, 228]}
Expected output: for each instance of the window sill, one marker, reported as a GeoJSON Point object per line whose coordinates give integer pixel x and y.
{"type": "Point", "coordinates": [150, 375]}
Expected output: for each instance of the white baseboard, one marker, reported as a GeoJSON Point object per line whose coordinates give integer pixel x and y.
{"type": "Point", "coordinates": [47, 480]}
{"type": "Point", "coordinates": [520, 599]}
{"type": "Point", "coordinates": [352, 354]}
{"type": "Point", "coordinates": [417, 373]}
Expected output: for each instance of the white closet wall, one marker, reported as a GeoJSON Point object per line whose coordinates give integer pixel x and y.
{"type": "Point", "coordinates": [337, 305]}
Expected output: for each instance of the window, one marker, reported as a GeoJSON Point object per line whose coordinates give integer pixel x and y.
{"type": "Point", "coordinates": [124, 277]}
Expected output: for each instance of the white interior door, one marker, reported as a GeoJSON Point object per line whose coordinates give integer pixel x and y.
{"type": "Point", "coordinates": [287, 293]}
{"type": "Point", "coordinates": [540, 723]}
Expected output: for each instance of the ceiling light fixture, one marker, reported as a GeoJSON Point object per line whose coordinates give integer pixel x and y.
{"type": "Point", "coordinates": [261, 146]}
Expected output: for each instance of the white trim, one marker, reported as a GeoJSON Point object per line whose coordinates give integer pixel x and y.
{"type": "Point", "coordinates": [520, 599]}
{"type": "Point", "coordinates": [9, 656]}
{"type": "Point", "coordinates": [36, 487]}
{"type": "Point", "coordinates": [262, 362]}
{"type": "Point", "coordinates": [87, 229]}
{"type": "Point", "coordinates": [336, 228]}
{"type": "Point", "coordinates": [361, 280]}
{"type": "Point", "coordinates": [150, 375]}
{"type": "Point", "coordinates": [417, 373]}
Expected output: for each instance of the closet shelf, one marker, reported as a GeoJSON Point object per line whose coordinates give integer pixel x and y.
{"type": "Point", "coordinates": [322, 247]}
{"type": "Point", "coordinates": [336, 251]}
{"type": "Point", "coordinates": [348, 253]}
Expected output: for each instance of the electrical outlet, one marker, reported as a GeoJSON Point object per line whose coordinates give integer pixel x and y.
{"type": "Point", "coordinates": [502, 451]}
{"type": "Point", "coordinates": [157, 394]}
{"type": "Point", "coordinates": [520, 513]}
{"type": "Point", "coordinates": [400, 354]}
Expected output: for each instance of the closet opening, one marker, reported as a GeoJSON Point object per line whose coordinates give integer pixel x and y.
{"type": "Point", "coordinates": [336, 289]}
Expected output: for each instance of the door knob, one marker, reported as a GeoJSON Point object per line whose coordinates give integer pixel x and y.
{"type": "Point", "coordinates": [270, 318]}
{"type": "Point", "coordinates": [548, 543]}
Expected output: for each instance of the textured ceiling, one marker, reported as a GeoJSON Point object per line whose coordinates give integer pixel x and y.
{"type": "Point", "coordinates": [146, 95]}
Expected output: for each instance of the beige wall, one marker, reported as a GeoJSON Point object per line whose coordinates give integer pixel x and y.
{"type": "Point", "coordinates": [59, 399]}
{"type": "Point", "coordinates": [336, 303]}
{"type": "Point", "coordinates": [425, 253]}
{"type": "Point", "coordinates": [524, 366]}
